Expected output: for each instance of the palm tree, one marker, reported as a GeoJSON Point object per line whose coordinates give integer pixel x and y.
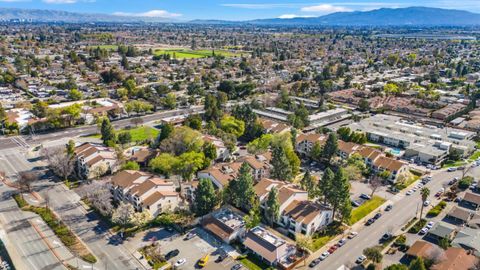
{"type": "Point", "coordinates": [425, 192]}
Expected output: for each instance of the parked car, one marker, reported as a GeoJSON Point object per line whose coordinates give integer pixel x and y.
{"type": "Point", "coordinates": [180, 262]}
{"type": "Point", "coordinates": [410, 192]}
{"type": "Point", "coordinates": [365, 196]}
{"type": "Point", "coordinates": [423, 231]}
{"type": "Point", "coordinates": [370, 222]}
{"type": "Point", "coordinates": [430, 224]}
{"type": "Point", "coordinates": [203, 261]}
{"type": "Point", "coordinates": [189, 236]}
{"type": "Point", "coordinates": [236, 266]}
{"type": "Point", "coordinates": [377, 216]}
{"type": "Point", "coordinates": [426, 203]}
{"type": "Point", "coordinates": [332, 249]}
{"type": "Point", "coordinates": [221, 257]}
{"type": "Point", "coordinates": [324, 255]}
{"type": "Point", "coordinates": [361, 259]}
{"type": "Point", "coordinates": [389, 207]}
{"type": "Point", "coordinates": [314, 263]}
{"type": "Point", "coordinates": [342, 242]}
{"type": "Point", "coordinates": [386, 236]}
{"type": "Point", "coordinates": [171, 254]}
{"type": "Point", "coordinates": [355, 203]}
{"type": "Point", "coordinates": [352, 235]}
{"type": "Point", "coordinates": [451, 169]}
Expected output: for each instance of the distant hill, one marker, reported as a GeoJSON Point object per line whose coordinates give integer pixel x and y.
{"type": "Point", "coordinates": [41, 15]}
{"type": "Point", "coordinates": [384, 17]}
{"type": "Point", "coordinates": [421, 16]}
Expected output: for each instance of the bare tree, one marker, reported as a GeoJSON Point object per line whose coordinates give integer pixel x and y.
{"type": "Point", "coordinates": [123, 215]}
{"type": "Point", "coordinates": [25, 180]}
{"type": "Point", "coordinates": [374, 183]}
{"type": "Point", "coordinates": [99, 196]}
{"type": "Point", "coordinates": [59, 161]}
{"type": "Point", "coordinates": [136, 121]}
{"type": "Point", "coordinates": [465, 170]}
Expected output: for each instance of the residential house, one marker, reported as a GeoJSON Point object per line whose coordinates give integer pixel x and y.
{"type": "Point", "coordinates": [267, 245]}
{"type": "Point", "coordinates": [222, 151]}
{"type": "Point", "coordinates": [226, 224]}
{"type": "Point", "coordinates": [442, 230]}
{"type": "Point", "coordinates": [468, 239]}
{"type": "Point", "coordinates": [305, 142]}
{"type": "Point", "coordinates": [459, 215]}
{"type": "Point", "coordinates": [472, 200]}
{"type": "Point", "coordinates": [94, 160]}
{"type": "Point", "coordinates": [421, 249]}
{"type": "Point", "coordinates": [455, 259]}
{"type": "Point", "coordinates": [144, 191]}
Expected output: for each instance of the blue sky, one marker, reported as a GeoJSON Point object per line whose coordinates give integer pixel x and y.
{"type": "Point", "coordinates": [230, 9]}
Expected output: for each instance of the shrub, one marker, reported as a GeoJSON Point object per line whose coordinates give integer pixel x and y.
{"type": "Point", "coordinates": [20, 200]}
{"type": "Point", "coordinates": [465, 182]}
{"type": "Point", "coordinates": [418, 226]}
{"type": "Point", "coordinates": [435, 211]}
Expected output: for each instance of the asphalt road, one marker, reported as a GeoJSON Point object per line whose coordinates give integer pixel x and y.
{"type": "Point", "coordinates": [405, 208]}
{"type": "Point", "coordinates": [27, 141]}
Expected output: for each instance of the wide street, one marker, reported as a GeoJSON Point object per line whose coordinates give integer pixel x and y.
{"type": "Point", "coordinates": [27, 141]}
{"type": "Point", "coordinates": [404, 208]}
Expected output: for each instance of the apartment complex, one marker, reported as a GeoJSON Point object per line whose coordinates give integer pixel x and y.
{"type": "Point", "coordinates": [94, 160]}
{"type": "Point", "coordinates": [423, 143]}
{"type": "Point", "coordinates": [144, 191]}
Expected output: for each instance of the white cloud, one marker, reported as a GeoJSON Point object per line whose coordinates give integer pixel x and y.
{"type": "Point", "coordinates": [156, 13]}
{"type": "Point", "coordinates": [261, 6]}
{"type": "Point", "coordinates": [291, 16]}
{"type": "Point", "coordinates": [60, 1]}
{"type": "Point", "coordinates": [324, 8]}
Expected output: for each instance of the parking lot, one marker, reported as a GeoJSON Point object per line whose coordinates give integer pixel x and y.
{"type": "Point", "coordinates": [196, 248]}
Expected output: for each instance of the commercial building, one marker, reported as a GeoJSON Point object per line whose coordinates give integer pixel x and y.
{"type": "Point", "coordinates": [423, 143]}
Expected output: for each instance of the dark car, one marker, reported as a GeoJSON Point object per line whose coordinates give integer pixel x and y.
{"type": "Point", "coordinates": [171, 254]}
{"type": "Point", "coordinates": [356, 203]}
{"type": "Point", "coordinates": [386, 236]}
{"type": "Point", "coordinates": [370, 222]}
{"type": "Point", "coordinates": [236, 266]}
{"type": "Point", "coordinates": [314, 263]}
{"type": "Point", "coordinates": [389, 207]}
{"type": "Point", "coordinates": [365, 196]}
{"type": "Point", "coordinates": [377, 216]}
{"type": "Point", "coordinates": [221, 257]}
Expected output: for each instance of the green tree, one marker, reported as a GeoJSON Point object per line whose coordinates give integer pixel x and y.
{"type": "Point", "coordinates": [232, 125]}
{"type": "Point", "coordinates": [417, 264]}
{"type": "Point", "coordinates": [108, 132]}
{"type": "Point", "coordinates": [281, 165]}
{"type": "Point", "coordinates": [163, 164]}
{"type": "Point", "coordinates": [170, 101]}
{"type": "Point", "coordinates": [316, 151]}
{"type": "Point", "coordinates": [307, 183]}
{"type": "Point", "coordinates": [397, 266]}
{"type": "Point", "coordinates": [363, 105]}
{"type": "Point", "coordinates": [245, 187]}
{"type": "Point", "coordinates": [330, 148]}
{"type": "Point", "coordinates": [124, 137]}
{"type": "Point", "coordinates": [165, 131]}
{"type": "Point", "coordinates": [205, 197]}
{"type": "Point", "coordinates": [325, 185]}
{"type": "Point", "coordinates": [444, 243]}
{"type": "Point", "coordinates": [131, 165]}
{"type": "Point", "coordinates": [272, 207]}
{"type": "Point", "coordinates": [346, 210]}
{"type": "Point", "coordinates": [374, 254]}
{"type": "Point", "coordinates": [424, 193]}
{"type": "Point", "coordinates": [253, 218]}
{"type": "Point", "coordinates": [209, 150]}
{"type": "Point", "coordinates": [74, 94]}
{"type": "Point", "coordinates": [340, 191]}
{"type": "Point", "coordinates": [70, 148]}
{"type": "Point", "coordinates": [194, 122]}
{"type": "Point", "coordinates": [189, 163]}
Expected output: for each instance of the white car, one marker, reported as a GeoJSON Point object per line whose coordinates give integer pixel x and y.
{"type": "Point", "coordinates": [180, 262]}
{"type": "Point", "coordinates": [426, 203]}
{"type": "Point", "coordinates": [352, 235]}
{"type": "Point", "coordinates": [410, 192]}
{"type": "Point", "coordinates": [342, 242]}
{"type": "Point", "coordinates": [430, 224]}
{"type": "Point", "coordinates": [361, 259]}
{"type": "Point", "coordinates": [324, 255]}
{"type": "Point", "coordinates": [423, 231]}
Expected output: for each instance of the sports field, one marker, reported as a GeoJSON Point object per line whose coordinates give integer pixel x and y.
{"type": "Point", "coordinates": [189, 54]}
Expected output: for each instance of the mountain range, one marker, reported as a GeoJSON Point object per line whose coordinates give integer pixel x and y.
{"type": "Point", "coordinates": [415, 16]}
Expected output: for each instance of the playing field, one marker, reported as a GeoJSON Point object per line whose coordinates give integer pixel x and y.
{"type": "Point", "coordinates": [189, 54]}
{"type": "Point", "coordinates": [106, 47]}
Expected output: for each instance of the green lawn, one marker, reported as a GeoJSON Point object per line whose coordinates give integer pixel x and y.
{"type": "Point", "coordinates": [322, 238]}
{"type": "Point", "coordinates": [142, 133]}
{"type": "Point", "coordinates": [189, 54]}
{"type": "Point", "coordinates": [407, 182]}
{"type": "Point", "coordinates": [366, 208]}
{"type": "Point", "coordinates": [252, 262]}
{"type": "Point", "coordinates": [321, 241]}
{"type": "Point", "coordinates": [474, 156]}
{"type": "Point", "coordinates": [454, 164]}
{"type": "Point", "coordinates": [139, 134]}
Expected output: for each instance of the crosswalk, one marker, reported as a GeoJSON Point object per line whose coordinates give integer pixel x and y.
{"type": "Point", "coordinates": [20, 141]}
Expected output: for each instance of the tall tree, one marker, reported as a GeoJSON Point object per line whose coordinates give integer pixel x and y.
{"type": "Point", "coordinates": [340, 191]}
{"type": "Point", "coordinates": [330, 148]}
{"type": "Point", "coordinates": [325, 185]}
{"type": "Point", "coordinates": [281, 165]}
{"type": "Point", "coordinates": [253, 218]}
{"type": "Point", "coordinates": [374, 254]}
{"type": "Point", "coordinates": [307, 183]}
{"type": "Point", "coordinates": [108, 132]}
{"type": "Point", "coordinates": [417, 264]}
{"type": "Point", "coordinates": [424, 192]}
{"type": "Point", "coordinates": [272, 209]}
{"type": "Point", "coordinates": [205, 197]}
{"type": "Point", "coordinates": [70, 147]}
{"type": "Point", "coordinates": [245, 187]}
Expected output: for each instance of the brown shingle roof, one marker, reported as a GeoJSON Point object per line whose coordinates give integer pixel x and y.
{"type": "Point", "coordinates": [303, 211]}
{"type": "Point", "coordinates": [420, 249]}
{"type": "Point", "coordinates": [471, 197]}
{"type": "Point", "coordinates": [455, 259]}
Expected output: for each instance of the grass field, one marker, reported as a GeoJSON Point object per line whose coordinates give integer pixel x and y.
{"type": "Point", "coordinates": [107, 47]}
{"type": "Point", "coordinates": [252, 262]}
{"type": "Point", "coordinates": [411, 179]}
{"type": "Point", "coordinates": [365, 209]}
{"type": "Point", "coordinates": [189, 54]}
{"type": "Point", "coordinates": [138, 134]}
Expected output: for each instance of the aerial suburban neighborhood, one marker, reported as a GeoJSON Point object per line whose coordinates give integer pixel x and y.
{"type": "Point", "coordinates": [147, 141]}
